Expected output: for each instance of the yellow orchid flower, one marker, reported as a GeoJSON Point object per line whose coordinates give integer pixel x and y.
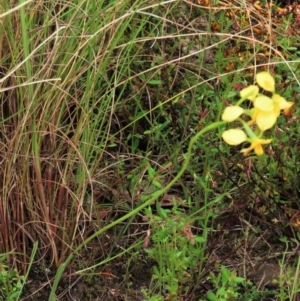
{"type": "Point", "coordinates": [266, 110]}
{"type": "Point", "coordinates": [232, 113]}
{"type": "Point", "coordinates": [266, 81]}
{"type": "Point", "coordinates": [249, 92]}
{"type": "Point", "coordinates": [263, 103]}
{"type": "Point", "coordinates": [234, 136]}
{"type": "Point", "coordinates": [280, 103]}
{"type": "Point", "coordinates": [237, 136]}
{"type": "Point", "coordinates": [266, 120]}
{"type": "Point", "coordinates": [264, 113]}
{"type": "Point", "coordinates": [256, 145]}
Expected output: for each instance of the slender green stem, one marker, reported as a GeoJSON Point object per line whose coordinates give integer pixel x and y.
{"type": "Point", "coordinates": [32, 257]}
{"type": "Point", "coordinates": [147, 203]}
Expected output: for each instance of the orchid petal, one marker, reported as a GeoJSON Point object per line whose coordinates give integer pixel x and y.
{"type": "Point", "coordinates": [249, 92]}
{"type": "Point", "coordinates": [266, 81]}
{"type": "Point", "coordinates": [281, 102]}
{"type": "Point", "coordinates": [265, 120]}
{"type": "Point", "coordinates": [234, 136]}
{"type": "Point", "coordinates": [256, 145]}
{"type": "Point", "coordinates": [264, 103]}
{"type": "Point", "coordinates": [232, 113]}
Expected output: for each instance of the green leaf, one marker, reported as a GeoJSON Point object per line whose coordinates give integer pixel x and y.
{"type": "Point", "coordinates": [238, 279]}
{"type": "Point", "coordinates": [151, 172]}
{"type": "Point", "coordinates": [144, 198]}
{"type": "Point", "coordinates": [163, 212]}
{"type": "Point", "coordinates": [292, 48]}
{"type": "Point", "coordinates": [148, 211]}
{"type": "Point", "coordinates": [154, 82]}
{"type": "Point", "coordinates": [221, 291]}
{"type": "Point", "coordinates": [211, 296]}
{"type": "Point", "coordinates": [200, 239]}
{"type": "Point", "coordinates": [156, 184]}
{"type": "Point", "coordinates": [156, 271]}
{"type": "Point", "coordinates": [225, 275]}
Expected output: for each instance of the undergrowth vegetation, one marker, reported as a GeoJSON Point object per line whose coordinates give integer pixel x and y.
{"type": "Point", "coordinates": [115, 181]}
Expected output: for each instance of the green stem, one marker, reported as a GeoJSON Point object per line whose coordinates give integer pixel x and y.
{"type": "Point", "coordinates": [147, 203]}
{"type": "Point", "coordinates": [248, 130]}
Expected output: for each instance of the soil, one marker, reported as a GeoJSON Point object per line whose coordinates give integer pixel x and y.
{"type": "Point", "coordinates": [125, 278]}
{"type": "Point", "coordinates": [269, 274]}
{"type": "Point", "coordinates": [117, 281]}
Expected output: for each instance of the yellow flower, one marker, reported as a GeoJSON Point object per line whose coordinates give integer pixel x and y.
{"type": "Point", "coordinates": [237, 136]}
{"type": "Point", "coordinates": [281, 103]}
{"type": "Point", "coordinates": [256, 145]}
{"type": "Point", "coordinates": [265, 120]}
{"type": "Point", "coordinates": [266, 110]}
{"type": "Point", "coordinates": [266, 81]}
{"type": "Point", "coordinates": [249, 92]}
{"type": "Point", "coordinates": [232, 113]}
{"type": "Point", "coordinates": [234, 136]}
{"type": "Point", "coordinates": [264, 103]}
